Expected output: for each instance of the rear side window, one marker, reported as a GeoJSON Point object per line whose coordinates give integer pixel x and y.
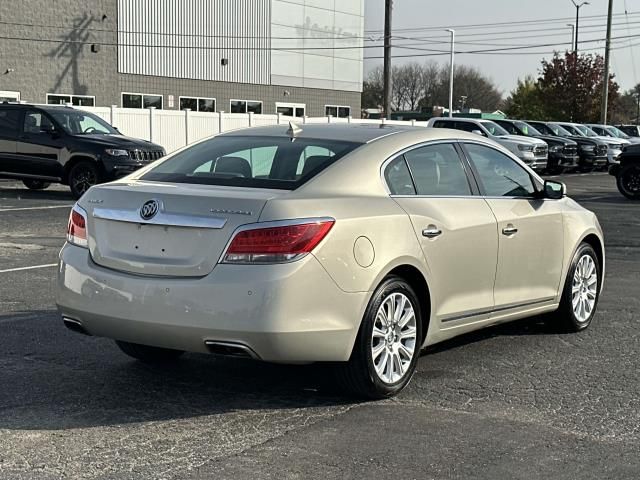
{"type": "Point", "coordinates": [246, 161]}
{"type": "Point", "coordinates": [443, 124]}
{"type": "Point", "coordinates": [35, 122]}
{"type": "Point", "coordinates": [398, 178]}
{"type": "Point", "coordinates": [9, 120]}
{"type": "Point", "coordinates": [437, 170]}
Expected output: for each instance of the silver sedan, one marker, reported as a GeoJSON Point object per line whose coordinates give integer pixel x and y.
{"type": "Point", "coordinates": [352, 244]}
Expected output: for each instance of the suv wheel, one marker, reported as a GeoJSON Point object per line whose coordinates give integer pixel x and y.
{"type": "Point", "coordinates": [628, 180]}
{"type": "Point", "coordinates": [387, 348]}
{"type": "Point", "coordinates": [148, 354]}
{"type": "Point", "coordinates": [82, 177]}
{"type": "Point", "coordinates": [36, 184]}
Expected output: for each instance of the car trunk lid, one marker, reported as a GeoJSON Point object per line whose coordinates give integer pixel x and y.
{"type": "Point", "coordinates": [184, 231]}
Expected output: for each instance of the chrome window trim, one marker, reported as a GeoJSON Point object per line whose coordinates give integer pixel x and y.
{"type": "Point", "coordinates": [271, 224]}
{"type": "Point", "coordinates": [399, 153]}
{"type": "Point", "coordinates": [162, 218]}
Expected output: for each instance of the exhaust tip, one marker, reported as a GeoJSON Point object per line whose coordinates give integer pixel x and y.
{"type": "Point", "coordinates": [75, 325]}
{"type": "Point", "coordinates": [230, 349]}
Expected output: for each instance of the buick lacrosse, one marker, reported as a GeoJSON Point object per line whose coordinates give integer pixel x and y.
{"type": "Point", "coordinates": [353, 244]}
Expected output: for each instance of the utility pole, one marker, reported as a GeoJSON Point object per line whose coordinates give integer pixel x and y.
{"type": "Point", "coordinates": [575, 47]}
{"type": "Point", "coordinates": [605, 84]}
{"type": "Point", "coordinates": [388, 7]}
{"type": "Point", "coordinates": [453, 43]}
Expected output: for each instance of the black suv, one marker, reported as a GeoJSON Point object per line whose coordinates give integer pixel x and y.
{"type": "Point", "coordinates": [627, 173]}
{"type": "Point", "coordinates": [563, 152]}
{"type": "Point", "coordinates": [41, 144]}
{"type": "Point", "coordinates": [631, 130]}
{"type": "Point", "coordinates": [592, 151]}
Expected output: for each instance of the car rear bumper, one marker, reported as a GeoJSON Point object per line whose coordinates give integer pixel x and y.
{"type": "Point", "coordinates": [289, 313]}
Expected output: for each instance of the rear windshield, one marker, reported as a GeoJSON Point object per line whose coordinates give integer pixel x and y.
{"type": "Point", "coordinates": [245, 161]}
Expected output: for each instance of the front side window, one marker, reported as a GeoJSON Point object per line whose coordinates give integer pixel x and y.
{"type": "Point", "coordinates": [437, 170]}
{"type": "Point", "coordinates": [500, 175]}
{"type": "Point", "coordinates": [527, 129]}
{"type": "Point", "coordinates": [510, 128]}
{"type": "Point", "coordinates": [246, 161]}
{"type": "Point", "coordinates": [36, 123]}
{"type": "Point", "coordinates": [77, 122]}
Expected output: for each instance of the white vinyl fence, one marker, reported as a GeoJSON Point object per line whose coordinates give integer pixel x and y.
{"type": "Point", "coordinates": [174, 129]}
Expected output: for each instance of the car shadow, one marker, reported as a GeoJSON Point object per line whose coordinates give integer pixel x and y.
{"type": "Point", "coordinates": [55, 379]}
{"type": "Point", "coordinates": [21, 193]}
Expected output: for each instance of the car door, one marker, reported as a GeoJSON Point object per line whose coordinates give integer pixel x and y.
{"type": "Point", "coordinates": [9, 121]}
{"type": "Point", "coordinates": [530, 229]}
{"type": "Point", "coordinates": [39, 147]}
{"type": "Point", "coordinates": [454, 225]}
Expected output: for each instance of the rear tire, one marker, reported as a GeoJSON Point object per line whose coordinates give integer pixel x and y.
{"type": "Point", "coordinates": [628, 181]}
{"type": "Point", "coordinates": [82, 177]}
{"type": "Point", "coordinates": [148, 354]}
{"type": "Point", "coordinates": [581, 292]}
{"type": "Point", "coordinates": [36, 184]}
{"type": "Point", "coordinates": [387, 347]}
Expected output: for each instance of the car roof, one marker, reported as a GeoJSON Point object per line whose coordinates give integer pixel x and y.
{"type": "Point", "coordinates": [350, 132]}
{"type": "Point", "coordinates": [34, 105]}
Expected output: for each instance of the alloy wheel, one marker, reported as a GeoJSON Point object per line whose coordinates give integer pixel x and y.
{"type": "Point", "coordinates": [83, 180]}
{"type": "Point", "coordinates": [584, 288]}
{"type": "Point", "coordinates": [394, 335]}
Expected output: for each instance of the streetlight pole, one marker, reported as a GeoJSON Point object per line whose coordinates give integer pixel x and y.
{"type": "Point", "coordinates": [573, 32]}
{"type": "Point", "coordinates": [453, 42]}
{"type": "Point", "coordinates": [577, 5]}
{"type": "Point", "coordinates": [605, 84]}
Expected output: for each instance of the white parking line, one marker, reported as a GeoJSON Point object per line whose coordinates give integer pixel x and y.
{"type": "Point", "coordinates": [34, 208]}
{"type": "Point", "coordinates": [33, 267]}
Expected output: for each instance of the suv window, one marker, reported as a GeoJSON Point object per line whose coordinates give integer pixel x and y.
{"type": "Point", "coordinates": [500, 175]}
{"type": "Point", "coordinates": [466, 126]}
{"type": "Point", "coordinates": [9, 120]}
{"type": "Point", "coordinates": [34, 122]}
{"type": "Point", "coordinates": [509, 127]}
{"type": "Point", "coordinates": [437, 170]}
{"type": "Point", "coordinates": [398, 178]}
{"type": "Point", "coordinates": [247, 161]}
{"type": "Point", "coordinates": [443, 124]}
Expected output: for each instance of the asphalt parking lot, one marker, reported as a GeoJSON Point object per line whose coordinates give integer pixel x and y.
{"type": "Point", "coordinates": [516, 401]}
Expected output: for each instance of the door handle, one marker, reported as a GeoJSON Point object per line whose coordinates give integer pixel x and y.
{"type": "Point", "coordinates": [509, 230]}
{"type": "Point", "coordinates": [431, 232]}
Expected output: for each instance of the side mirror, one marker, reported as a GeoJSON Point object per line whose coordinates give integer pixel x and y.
{"type": "Point", "coordinates": [554, 190]}
{"type": "Point", "coordinates": [478, 132]}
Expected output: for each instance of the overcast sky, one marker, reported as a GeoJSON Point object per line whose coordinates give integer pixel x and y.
{"type": "Point", "coordinates": [431, 17]}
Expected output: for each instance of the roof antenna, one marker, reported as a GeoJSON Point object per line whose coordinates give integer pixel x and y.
{"type": "Point", "coordinates": [293, 131]}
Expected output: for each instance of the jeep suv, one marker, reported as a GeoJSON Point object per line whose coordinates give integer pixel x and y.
{"type": "Point", "coordinates": [41, 144]}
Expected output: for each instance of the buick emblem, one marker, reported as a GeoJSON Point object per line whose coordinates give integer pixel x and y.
{"type": "Point", "coordinates": [149, 209]}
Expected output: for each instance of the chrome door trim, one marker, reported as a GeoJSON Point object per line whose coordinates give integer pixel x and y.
{"type": "Point", "coordinates": [490, 311]}
{"type": "Point", "coordinates": [162, 218]}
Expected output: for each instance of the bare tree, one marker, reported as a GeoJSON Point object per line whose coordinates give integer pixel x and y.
{"type": "Point", "coordinates": [408, 80]}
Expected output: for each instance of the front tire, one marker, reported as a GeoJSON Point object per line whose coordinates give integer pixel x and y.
{"type": "Point", "coordinates": [628, 181]}
{"type": "Point", "coordinates": [148, 354]}
{"type": "Point", "coordinates": [36, 184]}
{"type": "Point", "coordinates": [387, 348]}
{"type": "Point", "coordinates": [82, 177]}
{"type": "Point", "coordinates": [581, 291]}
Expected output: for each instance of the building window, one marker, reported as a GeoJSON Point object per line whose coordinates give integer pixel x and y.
{"type": "Point", "coordinates": [291, 109]}
{"type": "Point", "coordinates": [8, 96]}
{"type": "Point", "coordinates": [141, 100]}
{"type": "Point", "coordinates": [77, 100]}
{"type": "Point", "coordinates": [337, 111]}
{"type": "Point", "coordinates": [198, 104]}
{"type": "Point", "coordinates": [246, 106]}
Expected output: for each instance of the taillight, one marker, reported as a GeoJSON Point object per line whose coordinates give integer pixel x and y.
{"type": "Point", "coordinates": [276, 244]}
{"type": "Point", "coordinates": [77, 227]}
